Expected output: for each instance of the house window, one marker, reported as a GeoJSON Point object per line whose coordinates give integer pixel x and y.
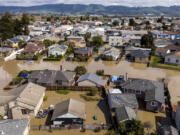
{"type": "Point", "coordinates": [138, 92]}
{"type": "Point", "coordinates": [177, 61]}
{"type": "Point", "coordinates": [153, 103]}
{"type": "Point", "coordinates": [24, 111]}
{"type": "Point", "coordinates": [168, 59]}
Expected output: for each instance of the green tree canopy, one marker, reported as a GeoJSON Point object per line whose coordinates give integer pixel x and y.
{"type": "Point", "coordinates": [80, 70]}
{"type": "Point", "coordinates": [97, 41]}
{"type": "Point", "coordinates": [147, 41]}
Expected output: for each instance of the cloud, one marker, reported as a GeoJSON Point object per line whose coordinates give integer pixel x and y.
{"type": "Point", "coordinates": [104, 2]}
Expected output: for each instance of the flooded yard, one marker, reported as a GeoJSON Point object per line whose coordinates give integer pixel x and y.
{"type": "Point", "coordinates": [92, 108]}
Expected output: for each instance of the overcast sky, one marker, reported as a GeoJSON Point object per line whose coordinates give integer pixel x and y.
{"type": "Point", "coordinates": [104, 2]}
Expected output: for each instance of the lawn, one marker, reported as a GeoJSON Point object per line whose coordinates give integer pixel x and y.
{"type": "Point", "coordinates": [65, 92]}
{"type": "Point", "coordinates": [92, 108]}
{"type": "Point", "coordinates": [159, 62]}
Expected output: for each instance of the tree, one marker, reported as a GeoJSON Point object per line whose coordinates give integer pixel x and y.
{"type": "Point", "coordinates": [147, 125]}
{"type": "Point", "coordinates": [22, 44]}
{"type": "Point", "coordinates": [93, 91]}
{"type": "Point", "coordinates": [6, 26]}
{"type": "Point", "coordinates": [100, 72]}
{"type": "Point", "coordinates": [80, 70]}
{"type": "Point", "coordinates": [137, 127]}
{"type": "Point", "coordinates": [122, 128]}
{"type": "Point", "coordinates": [147, 41]}
{"type": "Point", "coordinates": [48, 42]}
{"type": "Point", "coordinates": [177, 44]}
{"type": "Point", "coordinates": [115, 23]}
{"type": "Point", "coordinates": [97, 42]}
{"type": "Point", "coordinates": [87, 37]}
{"type": "Point", "coordinates": [25, 22]}
{"type": "Point", "coordinates": [17, 27]}
{"type": "Point", "coordinates": [132, 22]}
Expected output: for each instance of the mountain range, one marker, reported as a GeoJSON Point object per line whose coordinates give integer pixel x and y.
{"type": "Point", "coordinates": [79, 9]}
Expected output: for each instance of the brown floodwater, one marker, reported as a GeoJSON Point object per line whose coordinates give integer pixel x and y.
{"type": "Point", "coordinates": [10, 69]}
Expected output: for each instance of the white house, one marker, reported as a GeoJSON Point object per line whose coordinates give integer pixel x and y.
{"type": "Point", "coordinates": [115, 41]}
{"type": "Point", "coordinates": [173, 58]}
{"type": "Point", "coordinates": [57, 50]}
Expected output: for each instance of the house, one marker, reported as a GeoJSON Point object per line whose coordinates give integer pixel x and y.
{"type": "Point", "coordinates": [173, 58]}
{"type": "Point", "coordinates": [167, 130]}
{"type": "Point", "coordinates": [5, 51]}
{"type": "Point", "coordinates": [84, 51]}
{"type": "Point", "coordinates": [57, 50]}
{"type": "Point", "coordinates": [14, 127]}
{"type": "Point", "coordinates": [111, 54]}
{"type": "Point", "coordinates": [23, 101]}
{"type": "Point", "coordinates": [125, 114]}
{"type": "Point", "coordinates": [13, 42]}
{"type": "Point", "coordinates": [139, 56]}
{"type": "Point", "coordinates": [161, 52]}
{"type": "Point", "coordinates": [152, 92]}
{"type": "Point", "coordinates": [91, 80]}
{"type": "Point", "coordinates": [52, 78]}
{"type": "Point", "coordinates": [118, 100]}
{"type": "Point", "coordinates": [116, 41]}
{"type": "Point", "coordinates": [77, 41]}
{"type": "Point", "coordinates": [33, 48]}
{"type": "Point", "coordinates": [68, 112]}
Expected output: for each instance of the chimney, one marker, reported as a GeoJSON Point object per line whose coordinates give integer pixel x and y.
{"type": "Point", "coordinates": [126, 77]}
{"type": "Point", "coordinates": [61, 68]}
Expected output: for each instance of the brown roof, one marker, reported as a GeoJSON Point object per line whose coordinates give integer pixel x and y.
{"type": "Point", "coordinates": [175, 53]}
{"type": "Point", "coordinates": [71, 106]}
{"type": "Point", "coordinates": [161, 50]}
{"type": "Point", "coordinates": [170, 32]}
{"type": "Point", "coordinates": [32, 48]}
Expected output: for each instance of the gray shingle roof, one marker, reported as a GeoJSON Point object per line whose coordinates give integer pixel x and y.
{"type": "Point", "coordinates": [93, 78]}
{"type": "Point", "coordinates": [13, 127]}
{"type": "Point", "coordinates": [124, 113]}
{"type": "Point", "coordinates": [51, 76]}
{"type": "Point", "coordinates": [118, 100]}
{"type": "Point", "coordinates": [153, 90]}
{"type": "Point", "coordinates": [140, 53]}
{"type": "Point", "coordinates": [84, 50]}
{"type": "Point", "coordinates": [70, 106]}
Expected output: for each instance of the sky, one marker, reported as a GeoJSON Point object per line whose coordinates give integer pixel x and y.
{"type": "Point", "coordinates": [131, 3]}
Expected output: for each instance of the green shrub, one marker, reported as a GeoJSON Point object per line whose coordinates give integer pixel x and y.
{"type": "Point", "coordinates": [100, 72]}
{"type": "Point", "coordinates": [16, 80]}
{"type": "Point", "coordinates": [93, 91]}
{"type": "Point", "coordinates": [65, 92]}
{"type": "Point", "coordinates": [80, 70]}
{"type": "Point", "coordinates": [45, 98]}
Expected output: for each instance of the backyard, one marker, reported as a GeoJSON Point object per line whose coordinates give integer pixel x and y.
{"type": "Point", "coordinates": [92, 108]}
{"type": "Point", "coordinates": [150, 117]}
{"type": "Point", "coordinates": [159, 62]}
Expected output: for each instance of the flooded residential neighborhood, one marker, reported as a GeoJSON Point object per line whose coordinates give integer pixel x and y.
{"type": "Point", "coordinates": [89, 69]}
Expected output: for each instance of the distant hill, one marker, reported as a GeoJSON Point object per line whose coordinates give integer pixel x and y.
{"type": "Point", "coordinates": [93, 9]}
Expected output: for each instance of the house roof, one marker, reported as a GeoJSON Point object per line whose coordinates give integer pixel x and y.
{"type": "Point", "coordinates": [118, 100]}
{"type": "Point", "coordinates": [154, 90]}
{"type": "Point", "coordinates": [15, 40]}
{"type": "Point", "coordinates": [124, 113]}
{"type": "Point", "coordinates": [168, 130]}
{"type": "Point", "coordinates": [173, 47]}
{"type": "Point", "coordinates": [92, 78]}
{"type": "Point", "coordinates": [13, 127]}
{"type": "Point", "coordinates": [112, 52]}
{"type": "Point", "coordinates": [161, 50]}
{"type": "Point", "coordinates": [56, 47]}
{"type": "Point", "coordinates": [31, 47]}
{"type": "Point", "coordinates": [51, 76]}
{"type": "Point", "coordinates": [140, 53]}
{"type": "Point", "coordinates": [175, 54]}
{"type": "Point", "coordinates": [30, 96]}
{"type": "Point", "coordinates": [84, 50]}
{"type": "Point", "coordinates": [71, 106]}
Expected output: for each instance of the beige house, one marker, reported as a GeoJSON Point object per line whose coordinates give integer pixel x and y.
{"type": "Point", "coordinates": [23, 101]}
